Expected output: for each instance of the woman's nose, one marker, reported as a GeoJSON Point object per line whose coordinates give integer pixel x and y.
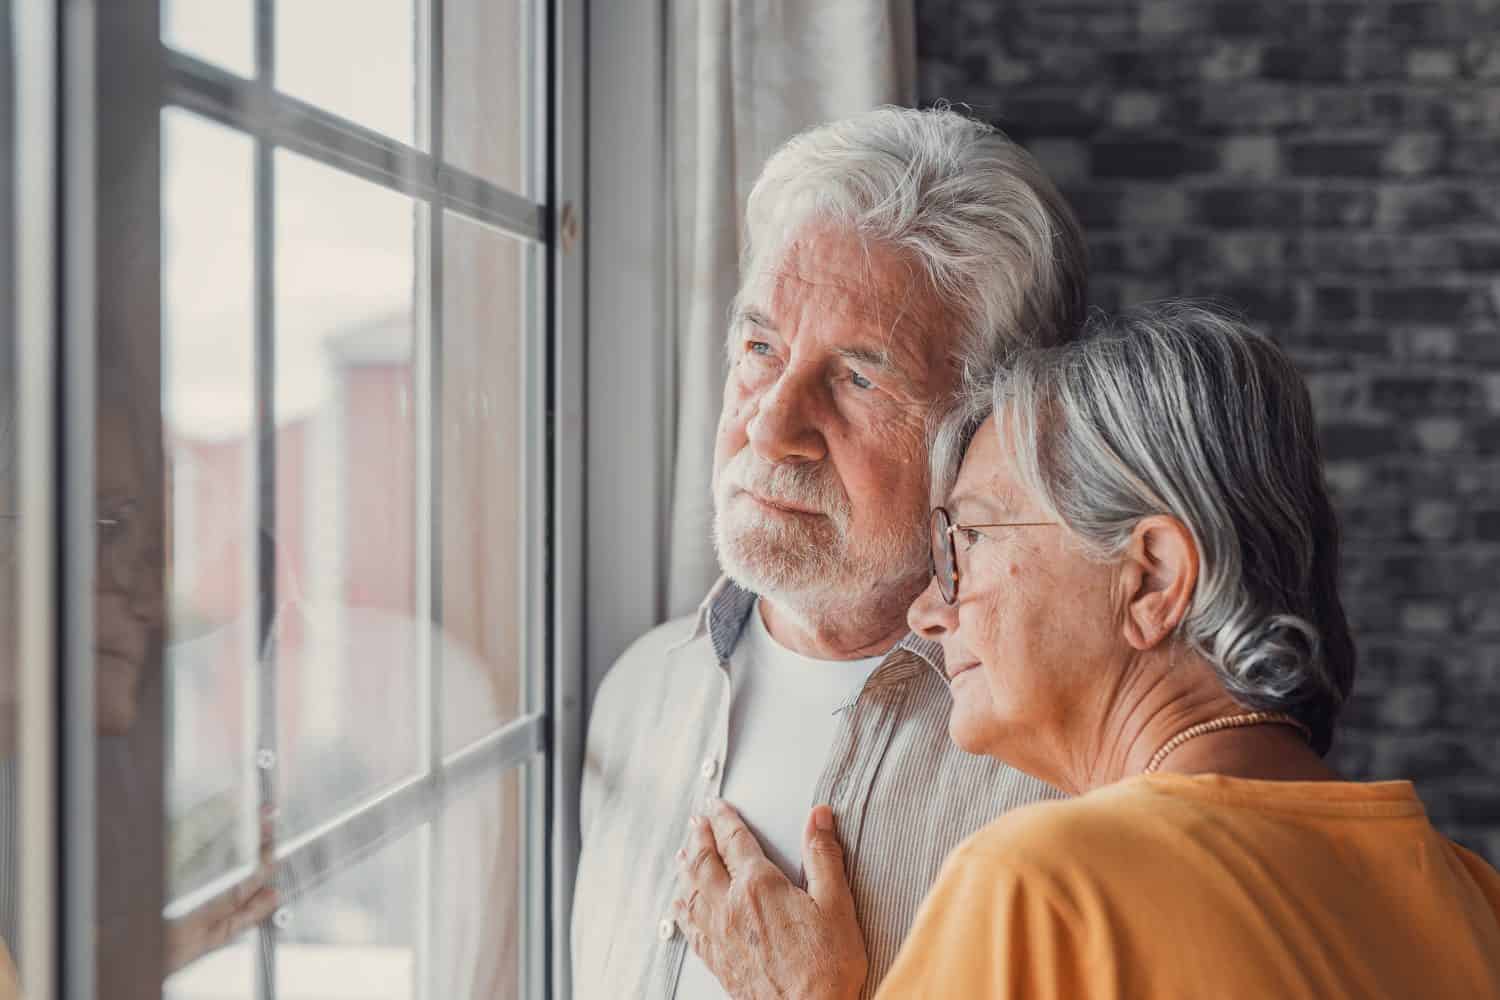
{"type": "Point", "coordinates": [929, 615]}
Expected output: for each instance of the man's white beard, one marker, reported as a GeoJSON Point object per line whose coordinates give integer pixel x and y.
{"type": "Point", "coordinates": [809, 565]}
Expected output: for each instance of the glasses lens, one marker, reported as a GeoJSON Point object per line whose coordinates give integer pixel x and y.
{"type": "Point", "coordinates": [941, 544]}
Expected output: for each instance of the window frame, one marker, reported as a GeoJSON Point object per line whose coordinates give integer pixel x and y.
{"type": "Point", "coordinates": [105, 76]}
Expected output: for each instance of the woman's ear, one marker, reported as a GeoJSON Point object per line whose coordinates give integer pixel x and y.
{"type": "Point", "coordinates": [1159, 574]}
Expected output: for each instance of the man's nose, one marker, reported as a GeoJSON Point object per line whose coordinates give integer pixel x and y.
{"type": "Point", "coordinates": [930, 616]}
{"type": "Point", "coordinates": [785, 425]}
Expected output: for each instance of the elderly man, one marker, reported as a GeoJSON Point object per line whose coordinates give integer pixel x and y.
{"type": "Point", "coordinates": [887, 255]}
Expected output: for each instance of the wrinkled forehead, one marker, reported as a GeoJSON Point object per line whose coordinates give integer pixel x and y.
{"type": "Point", "coordinates": [877, 290]}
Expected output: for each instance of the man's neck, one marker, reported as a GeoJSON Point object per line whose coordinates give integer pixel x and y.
{"type": "Point", "coordinates": [832, 636]}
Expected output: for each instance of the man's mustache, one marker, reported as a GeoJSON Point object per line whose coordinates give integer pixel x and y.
{"type": "Point", "coordinates": [809, 486]}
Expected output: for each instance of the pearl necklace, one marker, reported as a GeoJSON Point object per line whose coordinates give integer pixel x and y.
{"type": "Point", "coordinates": [1225, 722]}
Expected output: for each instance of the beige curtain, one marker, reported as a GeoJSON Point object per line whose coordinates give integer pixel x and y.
{"type": "Point", "coordinates": [746, 76]}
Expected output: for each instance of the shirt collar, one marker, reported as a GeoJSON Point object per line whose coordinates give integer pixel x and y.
{"type": "Point", "coordinates": [723, 613]}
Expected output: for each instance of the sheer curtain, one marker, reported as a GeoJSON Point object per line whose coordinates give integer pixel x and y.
{"type": "Point", "coordinates": [746, 76]}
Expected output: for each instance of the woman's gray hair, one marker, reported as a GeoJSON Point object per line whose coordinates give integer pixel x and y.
{"type": "Point", "coordinates": [998, 242]}
{"type": "Point", "coordinates": [1176, 409]}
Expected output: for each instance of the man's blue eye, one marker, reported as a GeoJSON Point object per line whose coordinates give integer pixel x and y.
{"type": "Point", "coordinates": [759, 347]}
{"type": "Point", "coordinates": [860, 382]}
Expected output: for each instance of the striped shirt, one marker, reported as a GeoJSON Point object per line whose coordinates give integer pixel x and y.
{"type": "Point", "coordinates": [903, 795]}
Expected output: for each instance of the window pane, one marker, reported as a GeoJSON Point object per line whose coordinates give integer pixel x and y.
{"type": "Point", "coordinates": [487, 128]}
{"type": "Point", "coordinates": [354, 937]}
{"type": "Point", "coordinates": [10, 716]}
{"type": "Point", "coordinates": [226, 974]}
{"type": "Point", "coordinates": [480, 881]}
{"type": "Point", "coordinates": [355, 58]}
{"type": "Point", "coordinates": [485, 420]}
{"type": "Point", "coordinates": [216, 31]}
{"type": "Point", "coordinates": [208, 390]}
{"type": "Point", "coordinates": [349, 688]}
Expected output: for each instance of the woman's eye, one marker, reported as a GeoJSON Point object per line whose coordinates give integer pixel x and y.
{"type": "Point", "coordinates": [970, 537]}
{"type": "Point", "coordinates": [859, 381]}
{"type": "Point", "coordinates": [759, 347]}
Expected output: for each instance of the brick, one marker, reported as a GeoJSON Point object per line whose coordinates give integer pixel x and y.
{"type": "Point", "coordinates": [1428, 344]}
{"type": "Point", "coordinates": [1096, 207]}
{"type": "Point", "coordinates": [1336, 302]}
{"type": "Point", "coordinates": [1432, 64]}
{"type": "Point", "coordinates": [1314, 62]}
{"type": "Point", "coordinates": [1413, 155]}
{"type": "Point", "coordinates": [1235, 17]}
{"type": "Point", "coordinates": [1259, 301]}
{"type": "Point", "coordinates": [1136, 109]}
{"type": "Point", "coordinates": [1066, 161]}
{"type": "Point", "coordinates": [1487, 525]}
{"type": "Point", "coordinates": [1479, 253]}
{"type": "Point", "coordinates": [1248, 205]}
{"type": "Point", "coordinates": [1419, 304]}
{"type": "Point", "coordinates": [1376, 253]}
{"type": "Point", "coordinates": [1132, 253]}
{"type": "Point", "coordinates": [1255, 157]}
{"type": "Point", "coordinates": [1474, 155]}
{"type": "Point", "coordinates": [1343, 440]}
{"type": "Point", "coordinates": [1169, 19]}
{"type": "Point", "coordinates": [1151, 158]}
{"type": "Point", "coordinates": [1482, 58]}
{"type": "Point", "coordinates": [1242, 106]}
{"type": "Point", "coordinates": [1241, 254]}
{"type": "Point", "coordinates": [1425, 206]}
{"type": "Point", "coordinates": [1409, 706]}
{"type": "Point", "coordinates": [1326, 109]}
{"type": "Point", "coordinates": [1425, 20]}
{"type": "Point", "coordinates": [1435, 520]}
{"type": "Point", "coordinates": [1424, 394]}
{"type": "Point", "coordinates": [1025, 115]}
{"type": "Point", "coordinates": [1335, 158]}
{"type": "Point", "coordinates": [1339, 207]}
{"type": "Point", "coordinates": [1231, 60]}
{"type": "Point", "coordinates": [1154, 205]}
{"type": "Point", "coordinates": [1439, 435]}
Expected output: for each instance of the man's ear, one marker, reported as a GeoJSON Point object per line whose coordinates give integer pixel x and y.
{"type": "Point", "coordinates": [1159, 574]}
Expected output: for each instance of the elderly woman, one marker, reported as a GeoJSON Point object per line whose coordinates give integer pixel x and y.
{"type": "Point", "coordinates": [1134, 586]}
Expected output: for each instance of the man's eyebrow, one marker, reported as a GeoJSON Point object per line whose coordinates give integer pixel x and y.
{"type": "Point", "coordinates": [750, 314]}
{"type": "Point", "coordinates": [867, 356]}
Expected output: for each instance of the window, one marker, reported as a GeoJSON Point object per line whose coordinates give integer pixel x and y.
{"type": "Point", "coordinates": [319, 358]}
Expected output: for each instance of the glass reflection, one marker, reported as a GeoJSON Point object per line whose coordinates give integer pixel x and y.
{"type": "Point", "coordinates": [345, 641]}
{"type": "Point", "coordinates": [483, 500]}
{"type": "Point", "coordinates": [10, 764]}
{"type": "Point", "coordinates": [478, 890]}
{"type": "Point", "coordinates": [216, 31]}
{"type": "Point", "coordinates": [487, 94]}
{"type": "Point", "coordinates": [208, 404]}
{"type": "Point", "coordinates": [375, 81]}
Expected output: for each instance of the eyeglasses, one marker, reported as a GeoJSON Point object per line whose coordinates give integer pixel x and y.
{"type": "Point", "coordinates": [944, 554]}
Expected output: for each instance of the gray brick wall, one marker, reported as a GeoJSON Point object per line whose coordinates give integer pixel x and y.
{"type": "Point", "coordinates": [1333, 169]}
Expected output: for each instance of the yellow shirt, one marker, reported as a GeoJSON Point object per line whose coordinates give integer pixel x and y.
{"type": "Point", "coordinates": [1201, 886]}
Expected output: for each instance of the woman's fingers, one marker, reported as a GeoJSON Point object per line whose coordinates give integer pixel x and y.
{"type": "Point", "coordinates": [702, 867]}
{"type": "Point", "coordinates": [737, 845]}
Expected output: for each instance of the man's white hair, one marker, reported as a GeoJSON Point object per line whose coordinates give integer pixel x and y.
{"type": "Point", "coordinates": [997, 241]}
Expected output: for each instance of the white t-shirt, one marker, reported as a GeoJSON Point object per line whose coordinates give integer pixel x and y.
{"type": "Point", "coordinates": [782, 715]}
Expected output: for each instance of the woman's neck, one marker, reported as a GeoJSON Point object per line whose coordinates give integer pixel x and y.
{"type": "Point", "coordinates": [1156, 700]}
